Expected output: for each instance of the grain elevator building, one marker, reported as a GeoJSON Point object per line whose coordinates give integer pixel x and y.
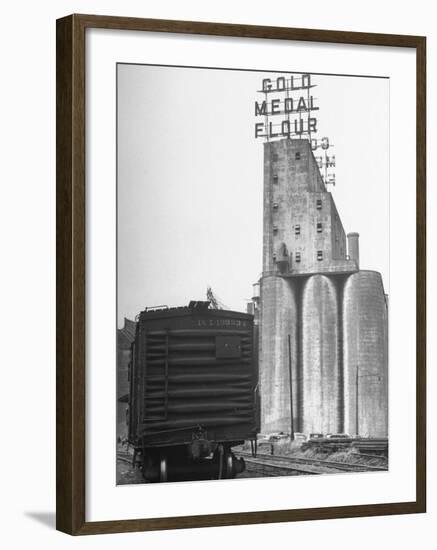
{"type": "Point", "coordinates": [321, 317]}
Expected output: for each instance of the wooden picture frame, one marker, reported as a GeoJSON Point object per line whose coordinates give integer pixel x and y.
{"type": "Point", "coordinates": [71, 248]}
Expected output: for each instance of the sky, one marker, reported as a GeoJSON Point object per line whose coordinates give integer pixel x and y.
{"type": "Point", "coordinates": [190, 179]}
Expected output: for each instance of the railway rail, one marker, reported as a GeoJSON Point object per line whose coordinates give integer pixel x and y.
{"type": "Point", "coordinates": [309, 465]}
{"type": "Point", "coordinates": [272, 468]}
{"type": "Point", "coordinates": [125, 457]}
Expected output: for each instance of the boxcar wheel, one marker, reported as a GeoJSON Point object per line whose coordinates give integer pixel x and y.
{"type": "Point", "coordinates": [229, 466]}
{"type": "Point", "coordinates": [163, 469]}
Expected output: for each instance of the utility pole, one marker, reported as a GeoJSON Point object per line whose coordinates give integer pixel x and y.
{"type": "Point", "coordinates": [291, 390]}
{"type": "Point", "coordinates": [356, 402]}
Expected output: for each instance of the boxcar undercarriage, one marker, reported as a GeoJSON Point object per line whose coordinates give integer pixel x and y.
{"type": "Point", "coordinates": [185, 463]}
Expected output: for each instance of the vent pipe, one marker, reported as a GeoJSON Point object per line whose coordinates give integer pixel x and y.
{"type": "Point", "coordinates": [353, 247]}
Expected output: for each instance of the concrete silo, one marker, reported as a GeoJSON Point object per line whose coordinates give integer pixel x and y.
{"type": "Point", "coordinates": [278, 316]}
{"type": "Point", "coordinates": [365, 355]}
{"type": "Point", "coordinates": [321, 383]}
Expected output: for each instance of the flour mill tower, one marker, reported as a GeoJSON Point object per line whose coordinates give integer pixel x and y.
{"type": "Point", "coordinates": [323, 332]}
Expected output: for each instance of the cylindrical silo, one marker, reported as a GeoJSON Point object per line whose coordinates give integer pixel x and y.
{"type": "Point", "coordinates": [321, 373]}
{"type": "Point", "coordinates": [365, 355]}
{"type": "Point", "coordinates": [278, 319]}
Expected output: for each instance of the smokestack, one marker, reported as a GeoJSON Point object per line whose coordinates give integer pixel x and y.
{"type": "Point", "coordinates": [353, 247]}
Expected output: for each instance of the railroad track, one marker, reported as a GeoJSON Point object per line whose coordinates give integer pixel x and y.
{"type": "Point", "coordinates": [309, 465]}
{"type": "Point", "coordinates": [274, 465]}
{"type": "Point", "coordinates": [124, 457]}
{"type": "Point", "coordinates": [273, 468]}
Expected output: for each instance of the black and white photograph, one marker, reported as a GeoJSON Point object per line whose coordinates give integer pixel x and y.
{"type": "Point", "coordinates": [252, 273]}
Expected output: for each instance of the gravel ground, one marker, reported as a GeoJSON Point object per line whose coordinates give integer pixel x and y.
{"type": "Point", "coordinates": [127, 475]}
{"type": "Point", "coordinates": [349, 456]}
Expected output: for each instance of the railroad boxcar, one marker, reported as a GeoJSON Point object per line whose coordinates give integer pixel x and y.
{"type": "Point", "coordinates": [193, 392]}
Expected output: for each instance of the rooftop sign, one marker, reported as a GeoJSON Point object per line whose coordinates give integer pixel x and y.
{"type": "Point", "coordinates": [288, 110]}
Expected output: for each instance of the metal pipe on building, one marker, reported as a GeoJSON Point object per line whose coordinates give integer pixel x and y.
{"type": "Point", "coordinates": [290, 374]}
